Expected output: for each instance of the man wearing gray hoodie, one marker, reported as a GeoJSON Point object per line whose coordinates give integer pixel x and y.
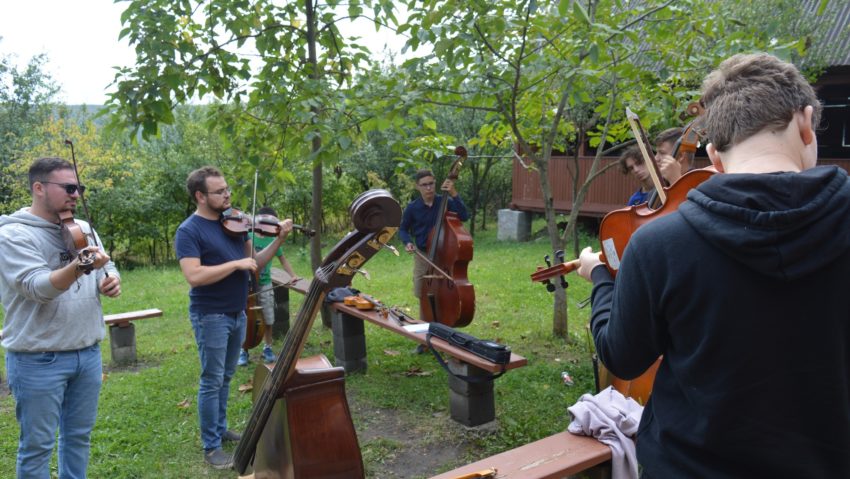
{"type": "Point", "coordinates": [53, 323]}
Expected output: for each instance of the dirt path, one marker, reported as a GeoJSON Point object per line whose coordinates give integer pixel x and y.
{"type": "Point", "coordinates": [395, 447]}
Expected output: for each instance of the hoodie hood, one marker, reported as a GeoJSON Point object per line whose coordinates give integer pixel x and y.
{"type": "Point", "coordinates": [23, 216]}
{"type": "Point", "coordinates": [783, 225]}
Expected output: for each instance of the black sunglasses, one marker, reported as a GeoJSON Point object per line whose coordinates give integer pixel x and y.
{"type": "Point", "coordinates": [70, 188]}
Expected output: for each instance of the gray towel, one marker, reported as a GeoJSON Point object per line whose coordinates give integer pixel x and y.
{"type": "Point", "coordinates": [613, 419]}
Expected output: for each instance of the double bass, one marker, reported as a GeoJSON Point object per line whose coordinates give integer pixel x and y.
{"type": "Point", "coordinates": [300, 426]}
{"type": "Point", "coordinates": [446, 295]}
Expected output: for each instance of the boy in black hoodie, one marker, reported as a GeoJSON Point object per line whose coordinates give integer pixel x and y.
{"type": "Point", "coordinates": [755, 380]}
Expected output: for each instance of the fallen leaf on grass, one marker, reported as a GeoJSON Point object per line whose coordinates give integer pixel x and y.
{"type": "Point", "coordinates": [496, 324]}
{"type": "Point", "coordinates": [416, 371]}
{"type": "Point", "coordinates": [184, 404]}
{"type": "Point", "coordinates": [249, 386]}
{"type": "Point", "coordinates": [390, 352]}
{"type": "Point", "coordinates": [103, 377]}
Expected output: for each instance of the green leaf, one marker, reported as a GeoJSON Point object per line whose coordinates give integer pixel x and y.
{"type": "Point", "coordinates": [581, 13]}
{"type": "Point", "coordinates": [563, 7]}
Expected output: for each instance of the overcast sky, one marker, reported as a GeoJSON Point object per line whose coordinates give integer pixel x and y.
{"type": "Point", "coordinates": [80, 38]}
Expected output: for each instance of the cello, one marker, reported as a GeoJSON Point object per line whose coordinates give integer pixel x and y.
{"type": "Point", "coordinates": [300, 426]}
{"type": "Point", "coordinates": [446, 295]}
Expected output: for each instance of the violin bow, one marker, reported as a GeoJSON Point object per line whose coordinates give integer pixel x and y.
{"type": "Point", "coordinates": [83, 199]}
{"type": "Point", "coordinates": [645, 147]}
{"type": "Point", "coordinates": [428, 260]}
{"type": "Point", "coordinates": [254, 212]}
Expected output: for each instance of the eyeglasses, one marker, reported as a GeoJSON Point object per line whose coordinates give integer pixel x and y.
{"type": "Point", "coordinates": [427, 185]}
{"type": "Point", "coordinates": [70, 188]}
{"type": "Point", "coordinates": [223, 191]}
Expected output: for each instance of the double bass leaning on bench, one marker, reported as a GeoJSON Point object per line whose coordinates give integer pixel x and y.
{"type": "Point", "coordinates": [300, 425]}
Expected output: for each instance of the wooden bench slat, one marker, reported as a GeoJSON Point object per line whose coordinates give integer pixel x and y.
{"type": "Point", "coordinates": [553, 457]}
{"type": "Point", "coordinates": [374, 317]}
{"type": "Point", "coordinates": [125, 318]}
{"type": "Point", "coordinates": [281, 277]}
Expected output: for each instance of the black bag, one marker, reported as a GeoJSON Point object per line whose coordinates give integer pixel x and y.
{"type": "Point", "coordinates": [488, 350]}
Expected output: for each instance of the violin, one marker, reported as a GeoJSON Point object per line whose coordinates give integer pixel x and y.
{"type": "Point", "coordinates": [618, 226]}
{"type": "Point", "coordinates": [76, 241]}
{"type": "Point", "coordinates": [73, 235]}
{"type": "Point", "coordinates": [236, 223]}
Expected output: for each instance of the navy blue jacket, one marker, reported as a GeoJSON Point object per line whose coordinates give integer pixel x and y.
{"type": "Point", "coordinates": [744, 293]}
{"type": "Point", "coordinates": [419, 218]}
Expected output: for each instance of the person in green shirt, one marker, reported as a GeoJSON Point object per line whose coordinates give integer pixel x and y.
{"type": "Point", "coordinates": [266, 295]}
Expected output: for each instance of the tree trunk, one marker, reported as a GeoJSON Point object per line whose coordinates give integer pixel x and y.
{"type": "Point", "coordinates": [559, 307]}
{"type": "Point", "coordinates": [316, 206]}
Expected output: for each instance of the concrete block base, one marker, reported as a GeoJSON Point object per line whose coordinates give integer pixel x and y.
{"type": "Point", "coordinates": [514, 225]}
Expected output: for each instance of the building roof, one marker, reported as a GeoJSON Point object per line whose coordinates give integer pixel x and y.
{"type": "Point", "coordinates": [834, 44]}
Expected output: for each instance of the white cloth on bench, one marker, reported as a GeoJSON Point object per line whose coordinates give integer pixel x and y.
{"type": "Point", "coordinates": [612, 419]}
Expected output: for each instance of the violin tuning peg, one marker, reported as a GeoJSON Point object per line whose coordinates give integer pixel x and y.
{"type": "Point", "coordinates": [548, 261]}
{"type": "Point", "coordinates": [559, 256]}
{"type": "Point", "coordinates": [550, 287]}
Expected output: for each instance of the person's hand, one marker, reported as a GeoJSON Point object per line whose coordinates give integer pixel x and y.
{"type": "Point", "coordinates": [100, 258]}
{"type": "Point", "coordinates": [409, 247]}
{"type": "Point", "coordinates": [294, 278]}
{"type": "Point", "coordinates": [246, 264]}
{"type": "Point", "coordinates": [111, 286]}
{"type": "Point", "coordinates": [285, 228]}
{"type": "Point", "coordinates": [588, 260]}
{"type": "Point", "coordinates": [671, 169]}
{"type": "Point", "coordinates": [449, 186]}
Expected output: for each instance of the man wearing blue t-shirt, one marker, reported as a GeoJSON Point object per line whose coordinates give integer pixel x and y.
{"type": "Point", "coordinates": [216, 265]}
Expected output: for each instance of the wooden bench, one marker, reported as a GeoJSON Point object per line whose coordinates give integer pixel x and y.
{"type": "Point", "coordinates": [555, 457]}
{"type": "Point", "coordinates": [470, 403]}
{"type": "Point", "coordinates": [122, 333]}
{"type": "Point", "coordinates": [281, 299]}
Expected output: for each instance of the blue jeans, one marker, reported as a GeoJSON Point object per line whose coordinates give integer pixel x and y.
{"type": "Point", "coordinates": [219, 338]}
{"type": "Point", "coordinates": [55, 390]}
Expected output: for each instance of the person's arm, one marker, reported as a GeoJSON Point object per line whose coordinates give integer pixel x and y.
{"type": "Point", "coordinates": [671, 169]}
{"type": "Point", "coordinates": [405, 227]}
{"type": "Point", "coordinates": [623, 315]}
{"type": "Point", "coordinates": [197, 274]}
{"type": "Point", "coordinates": [24, 268]}
{"type": "Point", "coordinates": [288, 268]}
{"type": "Point", "coordinates": [263, 257]}
{"type": "Point", "coordinates": [456, 205]}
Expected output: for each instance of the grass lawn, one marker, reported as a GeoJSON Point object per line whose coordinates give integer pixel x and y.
{"type": "Point", "coordinates": [147, 423]}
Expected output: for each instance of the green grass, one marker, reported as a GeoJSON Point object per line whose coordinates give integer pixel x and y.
{"type": "Point", "coordinates": [147, 421]}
